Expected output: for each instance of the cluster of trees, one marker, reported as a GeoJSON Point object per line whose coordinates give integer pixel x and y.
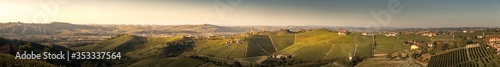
{"type": "Point", "coordinates": [216, 61]}
{"type": "Point", "coordinates": [344, 61]}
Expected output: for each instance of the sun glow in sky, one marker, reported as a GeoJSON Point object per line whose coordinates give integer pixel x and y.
{"type": "Point", "coordinates": [415, 13]}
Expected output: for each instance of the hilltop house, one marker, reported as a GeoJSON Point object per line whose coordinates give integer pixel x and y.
{"type": "Point", "coordinates": [493, 41]}
{"type": "Point", "coordinates": [343, 32]}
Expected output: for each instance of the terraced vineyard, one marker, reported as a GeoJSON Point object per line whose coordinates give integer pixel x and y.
{"type": "Point", "coordinates": [239, 52]}
{"type": "Point", "coordinates": [324, 44]}
{"type": "Point", "coordinates": [210, 47]}
{"type": "Point", "coordinates": [229, 50]}
{"type": "Point", "coordinates": [282, 41]}
{"type": "Point", "coordinates": [317, 44]}
{"type": "Point", "coordinates": [310, 38]}
{"type": "Point", "coordinates": [259, 45]}
{"type": "Point", "coordinates": [469, 56]}
{"type": "Point", "coordinates": [218, 48]}
{"type": "Point", "coordinates": [153, 47]}
{"type": "Point", "coordinates": [213, 50]}
{"type": "Point", "coordinates": [120, 43]}
{"type": "Point", "coordinates": [315, 51]}
{"type": "Point", "coordinates": [206, 44]}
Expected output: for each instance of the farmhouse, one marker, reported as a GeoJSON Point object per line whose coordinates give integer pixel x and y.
{"type": "Point", "coordinates": [430, 34]}
{"type": "Point", "coordinates": [466, 31]}
{"type": "Point", "coordinates": [236, 41]}
{"type": "Point", "coordinates": [343, 32]}
{"type": "Point", "coordinates": [412, 42]}
{"type": "Point", "coordinates": [281, 56]}
{"type": "Point", "coordinates": [414, 47]}
{"type": "Point", "coordinates": [493, 41]}
{"type": "Point", "coordinates": [391, 34]}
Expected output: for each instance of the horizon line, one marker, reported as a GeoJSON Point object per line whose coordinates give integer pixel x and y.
{"type": "Point", "coordinates": [237, 25]}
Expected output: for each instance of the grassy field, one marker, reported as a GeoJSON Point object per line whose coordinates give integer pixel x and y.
{"type": "Point", "coordinates": [389, 44]}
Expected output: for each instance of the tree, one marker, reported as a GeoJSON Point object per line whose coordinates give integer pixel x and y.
{"type": "Point", "coordinates": [413, 55]}
{"type": "Point", "coordinates": [345, 61]}
{"type": "Point", "coordinates": [236, 64]}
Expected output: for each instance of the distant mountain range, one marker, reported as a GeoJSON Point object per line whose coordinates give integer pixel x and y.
{"type": "Point", "coordinates": [49, 29]}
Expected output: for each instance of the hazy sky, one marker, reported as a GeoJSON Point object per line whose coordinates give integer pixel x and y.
{"type": "Point", "coordinates": [414, 13]}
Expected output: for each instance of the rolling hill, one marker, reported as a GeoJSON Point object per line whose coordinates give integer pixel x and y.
{"type": "Point", "coordinates": [162, 47]}
{"type": "Point", "coordinates": [50, 29]}
{"type": "Point", "coordinates": [142, 47]}
{"type": "Point", "coordinates": [282, 41]}
{"type": "Point", "coordinates": [120, 43]}
{"type": "Point", "coordinates": [324, 44]}
{"type": "Point", "coordinates": [7, 59]}
{"type": "Point", "coordinates": [260, 45]}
